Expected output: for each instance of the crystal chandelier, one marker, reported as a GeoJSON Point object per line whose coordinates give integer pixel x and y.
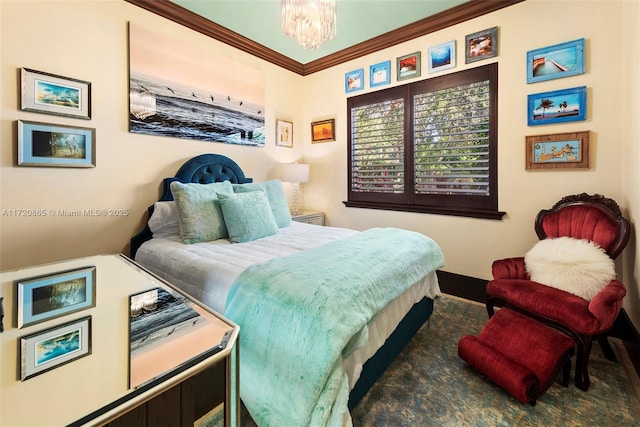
{"type": "Point", "coordinates": [310, 22]}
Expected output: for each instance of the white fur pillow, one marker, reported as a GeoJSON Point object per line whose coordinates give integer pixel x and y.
{"type": "Point", "coordinates": [576, 266]}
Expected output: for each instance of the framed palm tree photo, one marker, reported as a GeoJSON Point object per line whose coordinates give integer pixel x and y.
{"type": "Point", "coordinates": [567, 105]}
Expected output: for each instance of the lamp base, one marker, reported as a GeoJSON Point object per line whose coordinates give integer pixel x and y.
{"type": "Point", "coordinates": [296, 190]}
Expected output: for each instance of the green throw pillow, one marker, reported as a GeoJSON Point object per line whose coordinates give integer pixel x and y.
{"type": "Point", "coordinates": [199, 213]}
{"type": "Point", "coordinates": [247, 216]}
{"type": "Point", "coordinates": [276, 196]}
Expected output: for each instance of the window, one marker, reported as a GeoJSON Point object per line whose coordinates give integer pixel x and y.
{"type": "Point", "coordinates": [428, 146]}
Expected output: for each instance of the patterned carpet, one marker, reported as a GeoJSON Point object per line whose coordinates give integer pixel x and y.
{"type": "Point", "coordinates": [429, 385]}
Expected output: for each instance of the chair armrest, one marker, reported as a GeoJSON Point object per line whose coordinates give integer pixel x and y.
{"type": "Point", "coordinates": [605, 306]}
{"type": "Point", "coordinates": [509, 268]}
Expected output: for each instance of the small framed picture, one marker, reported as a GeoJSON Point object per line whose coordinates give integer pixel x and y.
{"type": "Point", "coordinates": [481, 45]}
{"type": "Point", "coordinates": [47, 297]}
{"type": "Point", "coordinates": [354, 80]}
{"type": "Point", "coordinates": [43, 144]}
{"type": "Point", "coordinates": [323, 131]}
{"type": "Point", "coordinates": [50, 94]}
{"type": "Point", "coordinates": [408, 66]}
{"type": "Point", "coordinates": [380, 74]}
{"type": "Point", "coordinates": [567, 105]}
{"type": "Point", "coordinates": [557, 151]}
{"type": "Point", "coordinates": [54, 347]}
{"type": "Point", "coordinates": [442, 57]}
{"type": "Point", "coordinates": [557, 61]}
{"type": "Point", "coordinates": [284, 133]}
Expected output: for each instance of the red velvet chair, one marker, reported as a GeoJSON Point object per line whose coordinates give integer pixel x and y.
{"type": "Point", "coordinates": [592, 217]}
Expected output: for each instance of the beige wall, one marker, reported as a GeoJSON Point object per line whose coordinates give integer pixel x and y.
{"type": "Point", "coordinates": [470, 245]}
{"type": "Point", "coordinates": [88, 40]}
{"type": "Point", "coordinates": [630, 112]}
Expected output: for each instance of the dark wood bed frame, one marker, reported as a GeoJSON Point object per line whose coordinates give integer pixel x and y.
{"type": "Point", "coordinates": [208, 168]}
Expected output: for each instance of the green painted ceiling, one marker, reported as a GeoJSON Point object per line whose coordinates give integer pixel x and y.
{"type": "Point", "coordinates": [357, 21]}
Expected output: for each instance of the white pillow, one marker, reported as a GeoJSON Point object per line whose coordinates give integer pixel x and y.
{"type": "Point", "coordinates": [577, 266]}
{"type": "Point", "coordinates": [164, 220]}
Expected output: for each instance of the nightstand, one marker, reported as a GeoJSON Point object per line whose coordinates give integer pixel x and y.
{"type": "Point", "coordinates": [309, 217]}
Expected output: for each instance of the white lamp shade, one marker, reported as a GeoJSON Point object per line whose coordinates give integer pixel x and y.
{"type": "Point", "coordinates": [295, 172]}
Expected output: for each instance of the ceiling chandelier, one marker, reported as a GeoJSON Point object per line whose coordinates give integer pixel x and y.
{"type": "Point", "coordinates": [310, 22]}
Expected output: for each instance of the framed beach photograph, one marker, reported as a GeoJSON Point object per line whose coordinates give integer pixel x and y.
{"type": "Point", "coordinates": [557, 151]}
{"type": "Point", "coordinates": [481, 45]}
{"type": "Point", "coordinates": [442, 57]}
{"type": "Point", "coordinates": [567, 105]}
{"type": "Point", "coordinates": [47, 297]}
{"type": "Point", "coordinates": [284, 133]}
{"type": "Point", "coordinates": [408, 66]}
{"type": "Point", "coordinates": [557, 61]}
{"type": "Point", "coordinates": [323, 131]}
{"type": "Point", "coordinates": [47, 93]}
{"type": "Point", "coordinates": [43, 144]}
{"type": "Point", "coordinates": [354, 80]}
{"type": "Point", "coordinates": [54, 347]}
{"type": "Point", "coordinates": [380, 74]}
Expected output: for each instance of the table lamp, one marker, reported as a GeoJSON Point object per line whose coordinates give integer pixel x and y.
{"type": "Point", "coordinates": [295, 173]}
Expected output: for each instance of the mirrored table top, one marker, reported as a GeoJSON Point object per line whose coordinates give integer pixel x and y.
{"type": "Point", "coordinates": [72, 359]}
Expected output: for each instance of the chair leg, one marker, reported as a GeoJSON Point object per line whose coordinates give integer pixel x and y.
{"type": "Point", "coordinates": [566, 372]}
{"type": "Point", "coordinates": [607, 351]}
{"type": "Point", "coordinates": [582, 361]}
{"type": "Point", "coordinates": [490, 310]}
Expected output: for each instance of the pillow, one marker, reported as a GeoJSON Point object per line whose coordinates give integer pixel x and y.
{"type": "Point", "coordinates": [276, 196]}
{"type": "Point", "coordinates": [164, 220]}
{"type": "Point", "coordinates": [577, 266]}
{"type": "Point", "coordinates": [247, 216]}
{"type": "Point", "coordinates": [199, 213]}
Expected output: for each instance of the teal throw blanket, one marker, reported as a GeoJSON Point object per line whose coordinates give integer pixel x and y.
{"type": "Point", "coordinates": [299, 315]}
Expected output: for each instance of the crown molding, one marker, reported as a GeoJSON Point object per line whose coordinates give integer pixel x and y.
{"type": "Point", "coordinates": [461, 13]}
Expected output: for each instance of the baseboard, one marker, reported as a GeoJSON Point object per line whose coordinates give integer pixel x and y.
{"type": "Point", "coordinates": [626, 331]}
{"type": "Point", "coordinates": [472, 288]}
{"type": "Point", "coordinates": [462, 286]}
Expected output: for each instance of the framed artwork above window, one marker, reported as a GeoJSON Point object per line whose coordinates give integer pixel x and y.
{"type": "Point", "coordinates": [442, 57]}
{"type": "Point", "coordinates": [481, 45]}
{"type": "Point", "coordinates": [354, 80]}
{"type": "Point", "coordinates": [380, 74]}
{"type": "Point", "coordinates": [408, 66]}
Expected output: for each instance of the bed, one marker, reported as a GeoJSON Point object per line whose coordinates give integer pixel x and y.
{"type": "Point", "coordinates": [226, 273]}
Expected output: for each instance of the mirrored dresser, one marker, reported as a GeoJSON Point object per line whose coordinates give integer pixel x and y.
{"type": "Point", "coordinates": [102, 341]}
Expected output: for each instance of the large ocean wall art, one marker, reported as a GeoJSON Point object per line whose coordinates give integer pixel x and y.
{"type": "Point", "coordinates": [181, 90]}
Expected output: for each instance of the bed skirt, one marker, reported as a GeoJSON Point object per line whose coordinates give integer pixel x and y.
{"type": "Point", "coordinates": [399, 338]}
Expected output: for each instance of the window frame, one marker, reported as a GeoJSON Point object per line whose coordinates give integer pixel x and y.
{"type": "Point", "coordinates": [485, 206]}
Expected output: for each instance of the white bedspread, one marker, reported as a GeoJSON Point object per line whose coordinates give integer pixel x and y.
{"type": "Point", "coordinates": [207, 270]}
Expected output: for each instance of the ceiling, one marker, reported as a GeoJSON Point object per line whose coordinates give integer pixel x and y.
{"type": "Point", "coordinates": [357, 21]}
{"type": "Point", "coordinates": [363, 26]}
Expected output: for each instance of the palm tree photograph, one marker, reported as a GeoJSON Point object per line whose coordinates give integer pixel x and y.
{"type": "Point", "coordinates": [559, 106]}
